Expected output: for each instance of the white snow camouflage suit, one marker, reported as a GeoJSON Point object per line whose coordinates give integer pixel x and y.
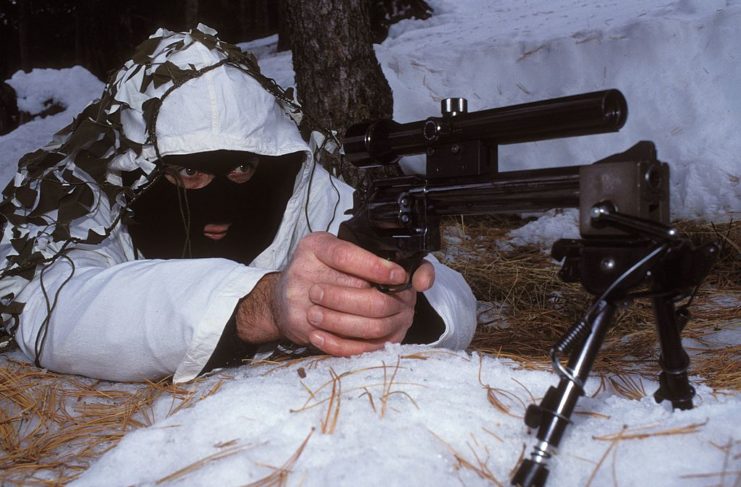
{"type": "Point", "coordinates": [74, 291]}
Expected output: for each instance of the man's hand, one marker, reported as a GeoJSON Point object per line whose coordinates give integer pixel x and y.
{"type": "Point", "coordinates": [325, 297]}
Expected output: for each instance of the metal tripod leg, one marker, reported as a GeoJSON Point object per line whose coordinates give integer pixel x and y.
{"type": "Point", "coordinates": [554, 412]}
{"type": "Point", "coordinates": [674, 384]}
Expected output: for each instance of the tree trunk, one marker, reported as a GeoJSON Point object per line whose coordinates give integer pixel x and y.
{"type": "Point", "coordinates": [24, 17]}
{"type": "Point", "coordinates": [9, 116]}
{"type": "Point", "coordinates": [191, 14]}
{"type": "Point", "coordinates": [284, 33]}
{"type": "Point", "coordinates": [262, 18]}
{"type": "Point", "coordinates": [245, 19]}
{"type": "Point", "coordinates": [338, 77]}
{"type": "Point", "coordinates": [384, 13]}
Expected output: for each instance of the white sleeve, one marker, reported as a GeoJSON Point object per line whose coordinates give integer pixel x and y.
{"type": "Point", "coordinates": [451, 297]}
{"type": "Point", "coordinates": [131, 321]}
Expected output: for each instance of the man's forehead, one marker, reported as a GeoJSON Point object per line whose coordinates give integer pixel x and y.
{"type": "Point", "coordinates": [214, 162]}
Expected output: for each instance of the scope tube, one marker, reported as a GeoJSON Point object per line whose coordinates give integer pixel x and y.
{"type": "Point", "coordinates": [384, 141]}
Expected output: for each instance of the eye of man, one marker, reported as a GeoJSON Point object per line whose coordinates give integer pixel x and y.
{"type": "Point", "coordinates": [243, 172]}
{"type": "Point", "coordinates": [190, 178]}
{"type": "Point", "coordinates": [187, 177]}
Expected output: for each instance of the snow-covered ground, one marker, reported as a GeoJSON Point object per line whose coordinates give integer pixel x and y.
{"type": "Point", "coordinates": [408, 417]}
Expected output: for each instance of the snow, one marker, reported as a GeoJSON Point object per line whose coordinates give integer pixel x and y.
{"type": "Point", "coordinates": [551, 226]}
{"type": "Point", "coordinates": [402, 416]}
{"type": "Point", "coordinates": [427, 421]}
{"type": "Point", "coordinates": [72, 88]}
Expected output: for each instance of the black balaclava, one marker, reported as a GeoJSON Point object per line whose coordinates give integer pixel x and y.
{"type": "Point", "coordinates": [168, 220]}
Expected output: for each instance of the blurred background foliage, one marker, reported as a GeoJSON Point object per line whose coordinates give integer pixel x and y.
{"type": "Point", "coordinates": [101, 34]}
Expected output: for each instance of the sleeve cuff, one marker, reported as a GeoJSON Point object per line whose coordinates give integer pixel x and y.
{"type": "Point", "coordinates": [427, 326]}
{"type": "Point", "coordinates": [230, 350]}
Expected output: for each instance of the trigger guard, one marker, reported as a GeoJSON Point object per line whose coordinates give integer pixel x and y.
{"type": "Point", "coordinates": [393, 289]}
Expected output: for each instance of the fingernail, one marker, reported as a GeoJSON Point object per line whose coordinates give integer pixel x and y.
{"type": "Point", "coordinates": [398, 275]}
{"type": "Point", "coordinates": [316, 293]}
{"type": "Point", "coordinates": [316, 340]}
{"type": "Point", "coordinates": [314, 316]}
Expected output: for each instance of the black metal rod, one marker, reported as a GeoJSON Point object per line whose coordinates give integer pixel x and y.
{"type": "Point", "coordinates": [580, 363]}
{"type": "Point", "coordinates": [509, 192]}
{"type": "Point", "coordinates": [558, 404]}
{"type": "Point", "coordinates": [674, 383]}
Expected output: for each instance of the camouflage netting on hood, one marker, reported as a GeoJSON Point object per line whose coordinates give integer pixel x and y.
{"type": "Point", "coordinates": [72, 194]}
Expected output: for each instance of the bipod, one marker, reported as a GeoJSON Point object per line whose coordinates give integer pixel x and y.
{"type": "Point", "coordinates": [611, 269]}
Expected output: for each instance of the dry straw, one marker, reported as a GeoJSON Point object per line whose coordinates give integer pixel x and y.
{"type": "Point", "coordinates": [279, 476]}
{"type": "Point", "coordinates": [637, 433]}
{"type": "Point", "coordinates": [53, 426]}
{"type": "Point", "coordinates": [480, 463]}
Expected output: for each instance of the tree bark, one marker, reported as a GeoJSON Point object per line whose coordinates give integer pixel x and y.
{"type": "Point", "coordinates": [338, 78]}
{"type": "Point", "coordinates": [191, 14]}
{"type": "Point", "coordinates": [245, 19]}
{"type": "Point", "coordinates": [384, 13]}
{"type": "Point", "coordinates": [24, 9]}
{"type": "Point", "coordinates": [9, 116]}
{"type": "Point", "coordinates": [284, 33]}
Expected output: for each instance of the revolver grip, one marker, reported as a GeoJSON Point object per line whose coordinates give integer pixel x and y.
{"type": "Point", "coordinates": [358, 232]}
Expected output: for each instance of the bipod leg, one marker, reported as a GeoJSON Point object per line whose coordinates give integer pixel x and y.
{"type": "Point", "coordinates": [674, 384]}
{"type": "Point", "coordinates": [554, 412]}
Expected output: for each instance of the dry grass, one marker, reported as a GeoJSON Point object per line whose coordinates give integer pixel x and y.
{"type": "Point", "coordinates": [501, 399]}
{"type": "Point", "coordinates": [477, 465]}
{"type": "Point", "coordinates": [531, 308]}
{"type": "Point", "coordinates": [215, 457]}
{"type": "Point", "coordinates": [279, 476]}
{"type": "Point", "coordinates": [389, 387]}
{"type": "Point", "coordinates": [636, 433]}
{"type": "Point", "coordinates": [53, 426]}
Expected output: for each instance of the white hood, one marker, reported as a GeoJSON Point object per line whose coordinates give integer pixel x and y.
{"type": "Point", "coordinates": [224, 108]}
